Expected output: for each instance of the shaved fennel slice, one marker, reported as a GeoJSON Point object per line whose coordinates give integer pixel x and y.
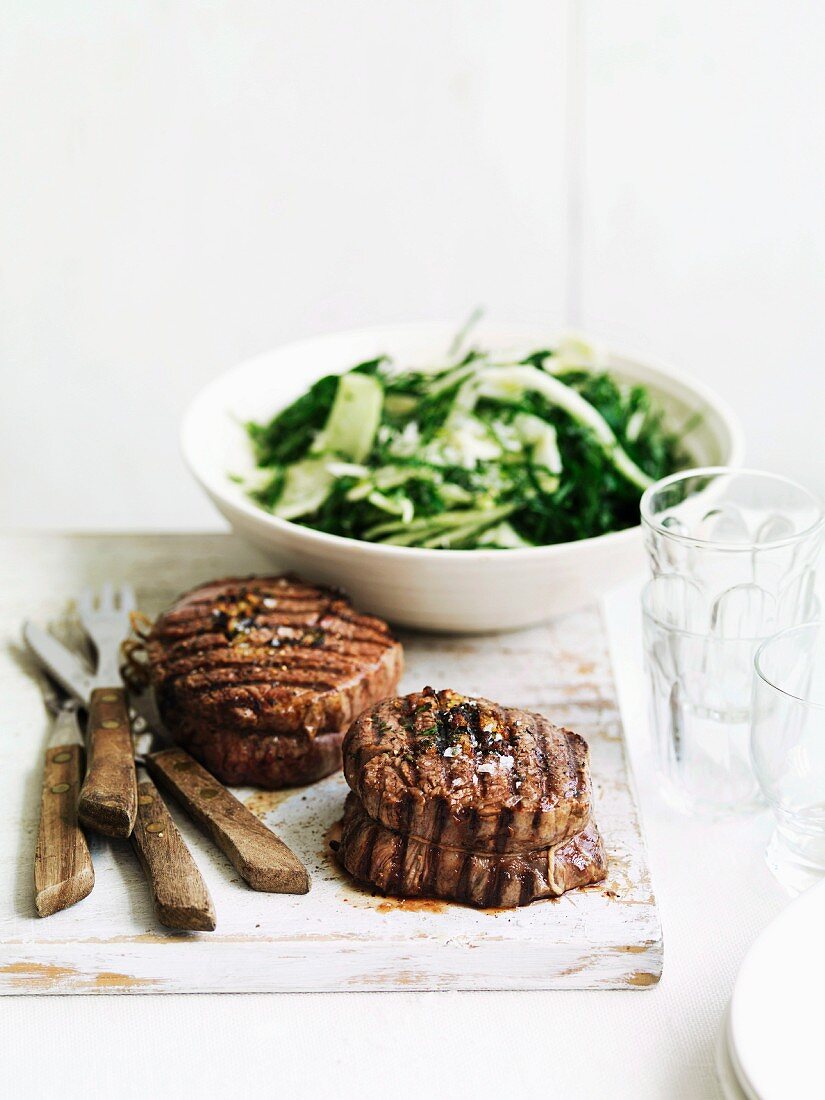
{"type": "Point", "coordinates": [396, 506]}
{"type": "Point", "coordinates": [307, 485]}
{"type": "Point", "coordinates": [540, 438]}
{"type": "Point", "coordinates": [503, 537]}
{"type": "Point", "coordinates": [509, 383]}
{"type": "Point", "coordinates": [422, 532]}
{"type": "Point", "coordinates": [353, 419]}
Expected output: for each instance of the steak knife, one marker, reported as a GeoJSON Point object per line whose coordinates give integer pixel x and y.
{"type": "Point", "coordinates": [179, 894]}
{"type": "Point", "coordinates": [256, 853]}
{"type": "Point", "coordinates": [63, 871]}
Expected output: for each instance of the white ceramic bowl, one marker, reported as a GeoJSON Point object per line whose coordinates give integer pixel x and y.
{"type": "Point", "coordinates": [444, 590]}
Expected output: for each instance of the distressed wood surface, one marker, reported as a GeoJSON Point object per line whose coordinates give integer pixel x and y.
{"type": "Point", "coordinates": [63, 872]}
{"type": "Point", "coordinates": [179, 894]}
{"type": "Point", "coordinates": [260, 858]}
{"type": "Point", "coordinates": [108, 797]}
{"type": "Point", "coordinates": [338, 936]}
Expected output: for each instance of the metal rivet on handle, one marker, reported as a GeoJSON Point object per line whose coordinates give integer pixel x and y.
{"type": "Point", "coordinates": [110, 724]}
{"type": "Point", "coordinates": [60, 788]}
{"type": "Point", "coordinates": [145, 800]}
{"type": "Point", "coordinates": [61, 757]}
{"type": "Point", "coordinates": [110, 697]}
{"type": "Point", "coordinates": [155, 827]}
{"type": "Point", "coordinates": [207, 792]}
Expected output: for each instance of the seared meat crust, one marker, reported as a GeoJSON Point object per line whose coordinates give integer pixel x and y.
{"type": "Point", "coordinates": [400, 864]}
{"type": "Point", "coordinates": [264, 760]}
{"type": "Point", "coordinates": [468, 773]}
{"type": "Point", "coordinates": [459, 798]}
{"type": "Point", "coordinates": [259, 676]}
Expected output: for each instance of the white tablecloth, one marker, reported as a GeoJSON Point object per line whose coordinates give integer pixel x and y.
{"type": "Point", "coordinates": [715, 895]}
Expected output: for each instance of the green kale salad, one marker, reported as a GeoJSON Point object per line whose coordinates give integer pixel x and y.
{"type": "Point", "coordinates": [482, 451]}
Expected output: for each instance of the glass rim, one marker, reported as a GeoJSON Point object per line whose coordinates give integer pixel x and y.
{"type": "Point", "coordinates": [812, 703]}
{"type": "Point", "coordinates": [648, 520]}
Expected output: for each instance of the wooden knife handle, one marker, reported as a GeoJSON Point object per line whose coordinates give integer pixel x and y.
{"type": "Point", "coordinates": [254, 851]}
{"type": "Point", "coordinates": [108, 799]}
{"type": "Point", "coordinates": [63, 872]}
{"type": "Point", "coordinates": [179, 893]}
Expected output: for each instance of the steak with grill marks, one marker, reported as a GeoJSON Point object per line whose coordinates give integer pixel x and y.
{"type": "Point", "coordinates": [259, 677]}
{"type": "Point", "coordinates": [468, 773]}
{"type": "Point", "coordinates": [460, 798]}
{"type": "Point", "coordinates": [411, 867]}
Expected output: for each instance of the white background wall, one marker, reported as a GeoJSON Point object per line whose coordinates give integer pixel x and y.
{"type": "Point", "coordinates": [185, 183]}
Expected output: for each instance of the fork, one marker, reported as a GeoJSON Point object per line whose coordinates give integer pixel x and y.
{"type": "Point", "coordinates": [109, 798]}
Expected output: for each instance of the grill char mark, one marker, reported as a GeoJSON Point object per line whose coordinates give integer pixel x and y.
{"type": "Point", "coordinates": [211, 672]}
{"type": "Point", "coordinates": [417, 868]}
{"type": "Point", "coordinates": [231, 677]}
{"type": "Point", "coordinates": [542, 797]}
{"type": "Point", "coordinates": [194, 636]}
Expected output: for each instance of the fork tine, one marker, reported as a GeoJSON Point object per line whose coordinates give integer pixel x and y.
{"type": "Point", "coordinates": [107, 596]}
{"type": "Point", "coordinates": [126, 598]}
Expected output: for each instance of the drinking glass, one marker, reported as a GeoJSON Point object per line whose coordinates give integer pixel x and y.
{"type": "Point", "coordinates": [699, 702]}
{"type": "Point", "coordinates": [788, 747]}
{"type": "Point", "coordinates": [733, 555]}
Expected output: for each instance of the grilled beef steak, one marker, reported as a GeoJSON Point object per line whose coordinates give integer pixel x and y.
{"type": "Point", "coordinates": [408, 866]}
{"type": "Point", "coordinates": [259, 677]}
{"type": "Point", "coordinates": [468, 773]}
{"type": "Point", "coordinates": [463, 799]}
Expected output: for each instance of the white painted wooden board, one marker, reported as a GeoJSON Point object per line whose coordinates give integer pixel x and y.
{"type": "Point", "coordinates": [338, 937]}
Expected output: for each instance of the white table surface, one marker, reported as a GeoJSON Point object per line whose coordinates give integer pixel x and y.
{"type": "Point", "coordinates": [715, 895]}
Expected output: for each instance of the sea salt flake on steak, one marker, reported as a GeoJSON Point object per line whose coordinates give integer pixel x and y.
{"type": "Point", "coordinates": [523, 782]}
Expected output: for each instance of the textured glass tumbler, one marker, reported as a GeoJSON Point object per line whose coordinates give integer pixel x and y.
{"type": "Point", "coordinates": [700, 708]}
{"type": "Point", "coordinates": [733, 555]}
{"type": "Point", "coordinates": [788, 746]}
